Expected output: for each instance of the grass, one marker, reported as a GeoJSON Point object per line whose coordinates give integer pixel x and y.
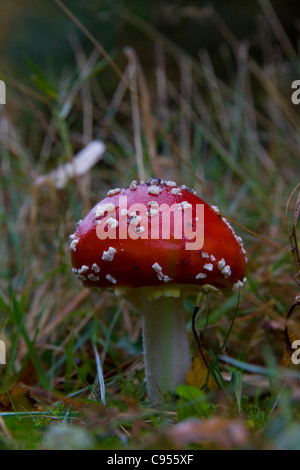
{"type": "Point", "coordinates": [235, 140]}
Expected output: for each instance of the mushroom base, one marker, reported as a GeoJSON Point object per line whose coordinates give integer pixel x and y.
{"type": "Point", "coordinates": [165, 341]}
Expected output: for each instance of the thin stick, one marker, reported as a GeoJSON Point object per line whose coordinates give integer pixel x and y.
{"type": "Point", "coordinates": [198, 342]}
{"type": "Point", "coordinates": [136, 121]}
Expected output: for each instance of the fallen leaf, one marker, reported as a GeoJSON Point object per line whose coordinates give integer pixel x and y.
{"type": "Point", "coordinates": [293, 334]}
{"type": "Point", "coordinates": [17, 398]}
{"type": "Point", "coordinates": [222, 432]}
{"type": "Point", "coordinates": [286, 357]}
{"type": "Point", "coordinates": [28, 375]}
{"type": "Point", "coordinates": [197, 374]}
{"type": "Point", "coordinates": [21, 397]}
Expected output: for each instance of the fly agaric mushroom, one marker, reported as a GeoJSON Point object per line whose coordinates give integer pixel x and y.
{"type": "Point", "coordinates": [137, 241]}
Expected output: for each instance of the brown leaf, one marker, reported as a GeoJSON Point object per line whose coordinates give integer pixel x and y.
{"type": "Point", "coordinates": [17, 398]}
{"type": "Point", "coordinates": [197, 374]}
{"type": "Point", "coordinates": [286, 358]}
{"type": "Point", "coordinates": [221, 432]}
{"type": "Point", "coordinates": [293, 334]}
{"type": "Point", "coordinates": [21, 397]}
{"type": "Point", "coordinates": [29, 375]}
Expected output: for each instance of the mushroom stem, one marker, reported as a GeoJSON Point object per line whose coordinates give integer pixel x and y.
{"type": "Point", "coordinates": [166, 347]}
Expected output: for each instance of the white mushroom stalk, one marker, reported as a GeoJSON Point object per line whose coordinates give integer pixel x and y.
{"type": "Point", "coordinates": [165, 343]}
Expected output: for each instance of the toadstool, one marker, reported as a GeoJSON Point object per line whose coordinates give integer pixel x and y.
{"type": "Point", "coordinates": [153, 242]}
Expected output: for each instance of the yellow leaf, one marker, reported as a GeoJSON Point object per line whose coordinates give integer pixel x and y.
{"type": "Point", "coordinates": [293, 334]}
{"type": "Point", "coordinates": [197, 374]}
{"type": "Point", "coordinates": [17, 398]}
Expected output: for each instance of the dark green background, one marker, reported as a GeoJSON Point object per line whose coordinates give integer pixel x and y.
{"type": "Point", "coordinates": [41, 31]}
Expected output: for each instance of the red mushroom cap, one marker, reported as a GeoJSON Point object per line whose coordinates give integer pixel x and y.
{"type": "Point", "coordinates": [103, 258]}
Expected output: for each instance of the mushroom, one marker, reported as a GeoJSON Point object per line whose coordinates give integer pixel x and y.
{"type": "Point", "coordinates": [153, 242]}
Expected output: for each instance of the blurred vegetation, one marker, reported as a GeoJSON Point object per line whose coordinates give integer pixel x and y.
{"type": "Point", "coordinates": [214, 112]}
